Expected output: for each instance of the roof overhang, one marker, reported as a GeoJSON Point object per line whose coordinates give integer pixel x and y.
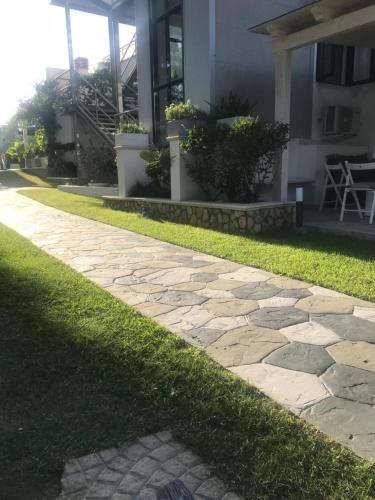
{"type": "Point", "coordinates": [121, 10]}
{"type": "Point", "coordinates": [344, 22]}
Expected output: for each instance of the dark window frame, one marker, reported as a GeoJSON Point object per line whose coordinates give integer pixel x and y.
{"type": "Point", "coordinates": [170, 83]}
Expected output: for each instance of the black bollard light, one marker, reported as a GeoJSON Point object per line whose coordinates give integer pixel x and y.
{"type": "Point", "coordinates": [299, 206]}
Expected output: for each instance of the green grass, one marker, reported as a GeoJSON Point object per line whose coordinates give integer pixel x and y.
{"type": "Point", "coordinates": [20, 178]}
{"type": "Point", "coordinates": [340, 263]}
{"type": "Point", "coordinates": [80, 371]}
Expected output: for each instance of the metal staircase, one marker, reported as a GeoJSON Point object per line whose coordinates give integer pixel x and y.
{"type": "Point", "coordinates": [96, 108]}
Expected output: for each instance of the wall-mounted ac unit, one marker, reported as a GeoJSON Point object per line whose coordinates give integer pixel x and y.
{"type": "Point", "coordinates": [341, 120]}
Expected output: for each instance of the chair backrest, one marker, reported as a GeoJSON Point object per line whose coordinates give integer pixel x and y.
{"type": "Point", "coordinates": [357, 167]}
{"type": "Point", "coordinates": [335, 173]}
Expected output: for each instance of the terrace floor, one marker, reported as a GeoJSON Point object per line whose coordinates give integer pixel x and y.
{"type": "Point", "coordinates": [328, 221]}
{"type": "Point", "coordinates": [307, 347]}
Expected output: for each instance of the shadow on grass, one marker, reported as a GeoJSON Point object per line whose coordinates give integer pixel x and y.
{"type": "Point", "coordinates": [80, 371]}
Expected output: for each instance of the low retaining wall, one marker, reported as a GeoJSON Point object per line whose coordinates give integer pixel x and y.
{"type": "Point", "coordinates": [252, 218]}
{"type": "Point", "coordinates": [93, 191]}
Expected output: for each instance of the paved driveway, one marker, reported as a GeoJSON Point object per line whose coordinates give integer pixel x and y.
{"type": "Point", "coordinates": [310, 349]}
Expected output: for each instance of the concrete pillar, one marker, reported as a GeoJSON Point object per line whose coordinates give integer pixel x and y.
{"type": "Point", "coordinates": [183, 188]}
{"type": "Point", "coordinates": [130, 166]}
{"type": "Point", "coordinates": [283, 88]}
{"type": "Point", "coordinates": [145, 97]}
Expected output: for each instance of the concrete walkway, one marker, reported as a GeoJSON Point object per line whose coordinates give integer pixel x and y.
{"type": "Point", "coordinates": [310, 349]}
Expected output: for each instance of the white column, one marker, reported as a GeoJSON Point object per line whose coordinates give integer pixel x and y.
{"type": "Point", "coordinates": [145, 96]}
{"type": "Point", "coordinates": [283, 87]}
{"type": "Point", "coordinates": [183, 188]}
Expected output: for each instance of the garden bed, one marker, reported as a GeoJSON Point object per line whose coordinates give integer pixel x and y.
{"type": "Point", "coordinates": [251, 218]}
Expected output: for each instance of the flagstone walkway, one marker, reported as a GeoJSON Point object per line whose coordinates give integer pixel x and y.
{"type": "Point", "coordinates": [310, 349]}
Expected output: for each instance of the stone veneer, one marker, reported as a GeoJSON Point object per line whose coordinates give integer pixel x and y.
{"type": "Point", "coordinates": [252, 218]}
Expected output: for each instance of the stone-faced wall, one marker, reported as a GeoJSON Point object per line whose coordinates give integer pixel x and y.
{"type": "Point", "coordinates": [245, 218]}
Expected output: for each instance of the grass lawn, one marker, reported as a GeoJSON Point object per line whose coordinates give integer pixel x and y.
{"type": "Point", "coordinates": [80, 370]}
{"type": "Point", "coordinates": [20, 178]}
{"type": "Point", "coordinates": [337, 262]}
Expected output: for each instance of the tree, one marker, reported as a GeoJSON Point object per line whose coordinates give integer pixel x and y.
{"type": "Point", "coordinates": [40, 110]}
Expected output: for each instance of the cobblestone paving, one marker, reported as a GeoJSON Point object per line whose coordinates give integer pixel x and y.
{"type": "Point", "coordinates": [138, 470]}
{"type": "Point", "coordinates": [309, 348]}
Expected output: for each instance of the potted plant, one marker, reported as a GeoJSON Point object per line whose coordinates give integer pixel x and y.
{"type": "Point", "coordinates": [29, 156]}
{"type": "Point", "coordinates": [231, 109]}
{"type": "Point", "coordinates": [131, 134]}
{"type": "Point", "coordinates": [181, 117]}
{"type": "Point", "coordinates": [131, 139]}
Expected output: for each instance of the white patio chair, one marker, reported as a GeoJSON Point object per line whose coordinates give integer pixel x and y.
{"type": "Point", "coordinates": [335, 178]}
{"type": "Point", "coordinates": [355, 187]}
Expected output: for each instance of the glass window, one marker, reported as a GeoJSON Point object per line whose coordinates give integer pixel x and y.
{"type": "Point", "coordinates": [175, 46]}
{"type": "Point", "coordinates": [167, 59]}
{"type": "Point", "coordinates": [330, 63]}
{"type": "Point", "coordinates": [362, 64]}
{"type": "Point", "coordinates": [340, 65]}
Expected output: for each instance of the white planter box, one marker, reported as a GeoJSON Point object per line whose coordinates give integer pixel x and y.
{"type": "Point", "coordinates": [130, 166]}
{"type": "Point", "coordinates": [230, 121]}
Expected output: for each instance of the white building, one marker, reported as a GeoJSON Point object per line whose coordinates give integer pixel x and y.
{"type": "Point", "coordinates": [203, 49]}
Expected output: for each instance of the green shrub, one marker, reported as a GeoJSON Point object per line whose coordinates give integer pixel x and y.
{"type": "Point", "coordinates": [132, 128]}
{"type": "Point", "coordinates": [183, 111]}
{"type": "Point", "coordinates": [232, 105]}
{"type": "Point", "coordinates": [232, 162]}
{"type": "Point", "coordinates": [100, 164]}
{"type": "Point", "coordinates": [158, 166]}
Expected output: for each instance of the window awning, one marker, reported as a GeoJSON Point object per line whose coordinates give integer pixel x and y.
{"type": "Point", "coordinates": [121, 10]}
{"type": "Point", "coordinates": [345, 22]}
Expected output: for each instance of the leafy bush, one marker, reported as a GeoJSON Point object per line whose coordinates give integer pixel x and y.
{"type": "Point", "coordinates": [16, 151]}
{"type": "Point", "coordinates": [232, 162]}
{"type": "Point", "coordinates": [100, 164]}
{"type": "Point", "coordinates": [158, 166]}
{"type": "Point", "coordinates": [132, 128]}
{"type": "Point", "coordinates": [148, 190]}
{"type": "Point", "coordinates": [183, 111]}
{"type": "Point", "coordinates": [232, 105]}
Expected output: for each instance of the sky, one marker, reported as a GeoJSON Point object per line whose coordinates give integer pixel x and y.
{"type": "Point", "coordinates": [33, 37]}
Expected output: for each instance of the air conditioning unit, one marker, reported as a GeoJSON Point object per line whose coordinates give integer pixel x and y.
{"type": "Point", "coordinates": [341, 120]}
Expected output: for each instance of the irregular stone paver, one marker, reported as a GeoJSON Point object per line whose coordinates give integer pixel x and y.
{"type": "Point", "coordinates": [358, 354]}
{"type": "Point", "coordinates": [225, 284]}
{"type": "Point", "coordinates": [178, 298]}
{"type": "Point", "coordinates": [139, 270]}
{"type": "Point", "coordinates": [245, 345]}
{"type": "Point", "coordinates": [301, 357]}
{"type": "Point", "coordinates": [351, 423]}
{"type": "Point", "coordinates": [310, 333]}
{"type": "Point", "coordinates": [224, 307]}
{"type": "Point", "coordinates": [295, 293]}
{"type": "Point", "coordinates": [326, 305]}
{"type": "Point", "coordinates": [351, 383]}
{"type": "Point", "coordinates": [204, 277]}
{"type": "Point", "coordinates": [139, 470]}
{"type": "Point", "coordinates": [347, 327]}
{"type": "Point", "coordinates": [277, 302]}
{"type": "Point", "coordinates": [255, 291]}
{"type": "Point", "coordinates": [277, 318]}
{"type": "Point", "coordinates": [246, 274]}
{"type": "Point", "coordinates": [365, 313]}
{"type": "Point", "coordinates": [295, 390]}
{"type": "Point", "coordinates": [288, 283]}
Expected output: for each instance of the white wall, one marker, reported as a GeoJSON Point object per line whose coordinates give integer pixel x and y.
{"type": "Point", "coordinates": [245, 62]}
{"type": "Point", "coordinates": [199, 51]}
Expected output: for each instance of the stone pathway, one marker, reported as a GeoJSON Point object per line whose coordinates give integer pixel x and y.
{"type": "Point", "coordinates": [139, 470]}
{"type": "Point", "coordinates": [310, 349]}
